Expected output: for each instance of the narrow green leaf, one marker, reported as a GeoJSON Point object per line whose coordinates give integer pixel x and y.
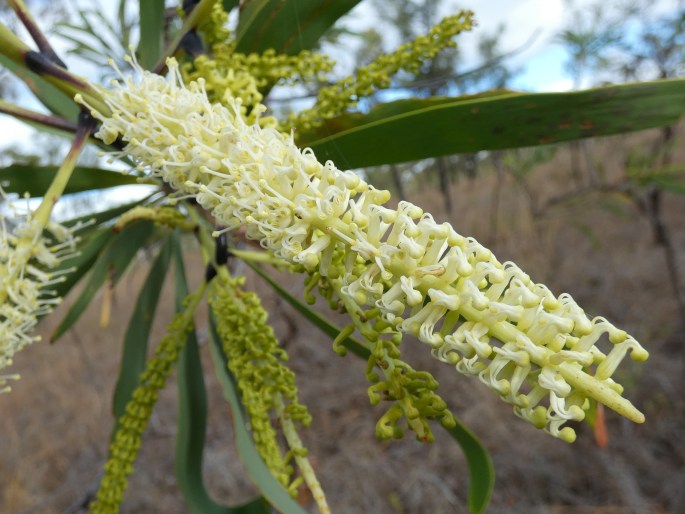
{"type": "Point", "coordinates": [287, 26]}
{"type": "Point", "coordinates": [89, 249]}
{"type": "Point", "coordinates": [482, 477]}
{"type": "Point", "coordinates": [408, 130]}
{"type": "Point", "coordinates": [81, 46]}
{"type": "Point", "coordinates": [192, 420]}
{"type": "Point", "coordinates": [481, 471]}
{"type": "Point", "coordinates": [111, 263]}
{"type": "Point", "coordinates": [117, 37]}
{"type": "Point", "coordinates": [100, 217]}
{"type": "Point", "coordinates": [268, 486]}
{"type": "Point", "coordinates": [57, 102]}
{"type": "Point", "coordinates": [35, 180]}
{"type": "Point", "coordinates": [312, 316]}
{"type": "Point", "coordinates": [151, 25]}
{"type": "Point", "coordinates": [137, 335]}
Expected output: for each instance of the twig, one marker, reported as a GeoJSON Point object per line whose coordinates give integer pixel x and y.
{"type": "Point", "coordinates": [36, 117]}
{"type": "Point", "coordinates": [36, 34]}
{"type": "Point", "coordinates": [435, 82]}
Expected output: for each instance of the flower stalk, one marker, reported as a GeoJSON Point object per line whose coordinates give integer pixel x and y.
{"type": "Point", "coordinates": [39, 38]}
{"type": "Point", "coordinates": [18, 52]}
{"type": "Point", "coordinates": [29, 116]}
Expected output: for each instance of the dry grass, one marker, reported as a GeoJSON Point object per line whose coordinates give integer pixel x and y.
{"type": "Point", "coordinates": [55, 425]}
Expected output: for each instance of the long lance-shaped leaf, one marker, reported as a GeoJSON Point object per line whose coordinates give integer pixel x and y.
{"type": "Point", "coordinates": [268, 486]}
{"type": "Point", "coordinates": [192, 419]}
{"type": "Point", "coordinates": [111, 263]}
{"type": "Point", "coordinates": [137, 335]}
{"type": "Point", "coordinates": [408, 130]}
{"type": "Point", "coordinates": [97, 218]}
{"type": "Point", "coordinates": [151, 23]}
{"type": "Point", "coordinates": [288, 26]}
{"type": "Point", "coordinates": [34, 180]}
{"type": "Point", "coordinates": [88, 254]}
{"type": "Point", "coordinates": [481, 471]}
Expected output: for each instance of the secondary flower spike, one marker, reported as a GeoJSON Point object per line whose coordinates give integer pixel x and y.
{"type": "Point", "coordinates": [29, 253]}
{"type": "Point", "coordinates": [538, 352]}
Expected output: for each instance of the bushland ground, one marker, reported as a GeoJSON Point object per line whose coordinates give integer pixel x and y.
{"type": "Point", "coordinates": [55, 425]}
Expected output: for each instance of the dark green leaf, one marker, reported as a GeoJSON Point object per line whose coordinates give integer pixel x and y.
{"type": "Point", "coordinates": [35, 180]}
{"type": "Point", "coordinates": [89, 250]}
{"type": "Point", "coordinates": [192, 420]}
{"type": "Point", "coordinates": [481, 472]}
{"type": "Point", "coordinates": [408, 130]}
{"type": "Point", "coordinates": [151, 25]}
{"type": "Point", "coordinates": [138, 332]}
{"type": "Point", "coordinates": [97, 218]}
{"type": "Point", "coordinates": [313, 317]}
{"type": "Point", "coordinates": [111, 263]}
{"type": "Point", "coordinates": [287, 26]}
{"type": "Point", "coordinates": [57, 102]}
{"type": "Point", "coordinates": [268, 486]}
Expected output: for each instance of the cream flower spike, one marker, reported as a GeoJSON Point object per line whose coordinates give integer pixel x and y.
{"type": "Point", "coordinates": [538, 352]}
{"type": "Point", "coordinates": [27, 257]}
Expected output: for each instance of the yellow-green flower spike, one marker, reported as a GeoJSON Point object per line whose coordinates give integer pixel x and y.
{"type": "Point", "coordinates": [257, 362]}
{"type": "Point", "coordinates": [125, 445]}
{"type": "Point", "coordinates": [29, 254]}
{"type": "Point", "coordinates": [538, 352]}
{"type": "Point", "coordinates": [214, 28]}
{"type": "Point", "coordinates": [343, 95]}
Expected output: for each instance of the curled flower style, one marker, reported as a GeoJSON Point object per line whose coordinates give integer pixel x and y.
{"type": "Point", "coordinates": [29, 254]}
{"type": "Point", "coordinates": [538, 352]}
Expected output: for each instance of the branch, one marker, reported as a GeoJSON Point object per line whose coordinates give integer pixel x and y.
{"type": "Point", "coordinates": [41, 41]}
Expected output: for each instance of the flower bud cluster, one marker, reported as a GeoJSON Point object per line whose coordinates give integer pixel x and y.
{"type": "Point", "coordinates": [29, 255]}
{"type": "Point", "coordinates": [258, 364]}
{"type": "Point", "coordinates": [337, 98]}
{"type": "Point", "coordinates": [214, 27]}
{"type": "Point", "coordinates": [125, 445]}
{"type": "Point", "coordinates": [231, 74]}
{"type": "Point", "coordinates": [228, 73]}
{"type": "Point", "coordinates": [538, 352]}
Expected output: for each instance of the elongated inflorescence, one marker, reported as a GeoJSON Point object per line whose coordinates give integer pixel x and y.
{"type": "Point", "coordinates": [29, 255]}
{"type": "Point", "coordinates": [538, 352]}
{"type": "Point", "coordinates": [259, 366]}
